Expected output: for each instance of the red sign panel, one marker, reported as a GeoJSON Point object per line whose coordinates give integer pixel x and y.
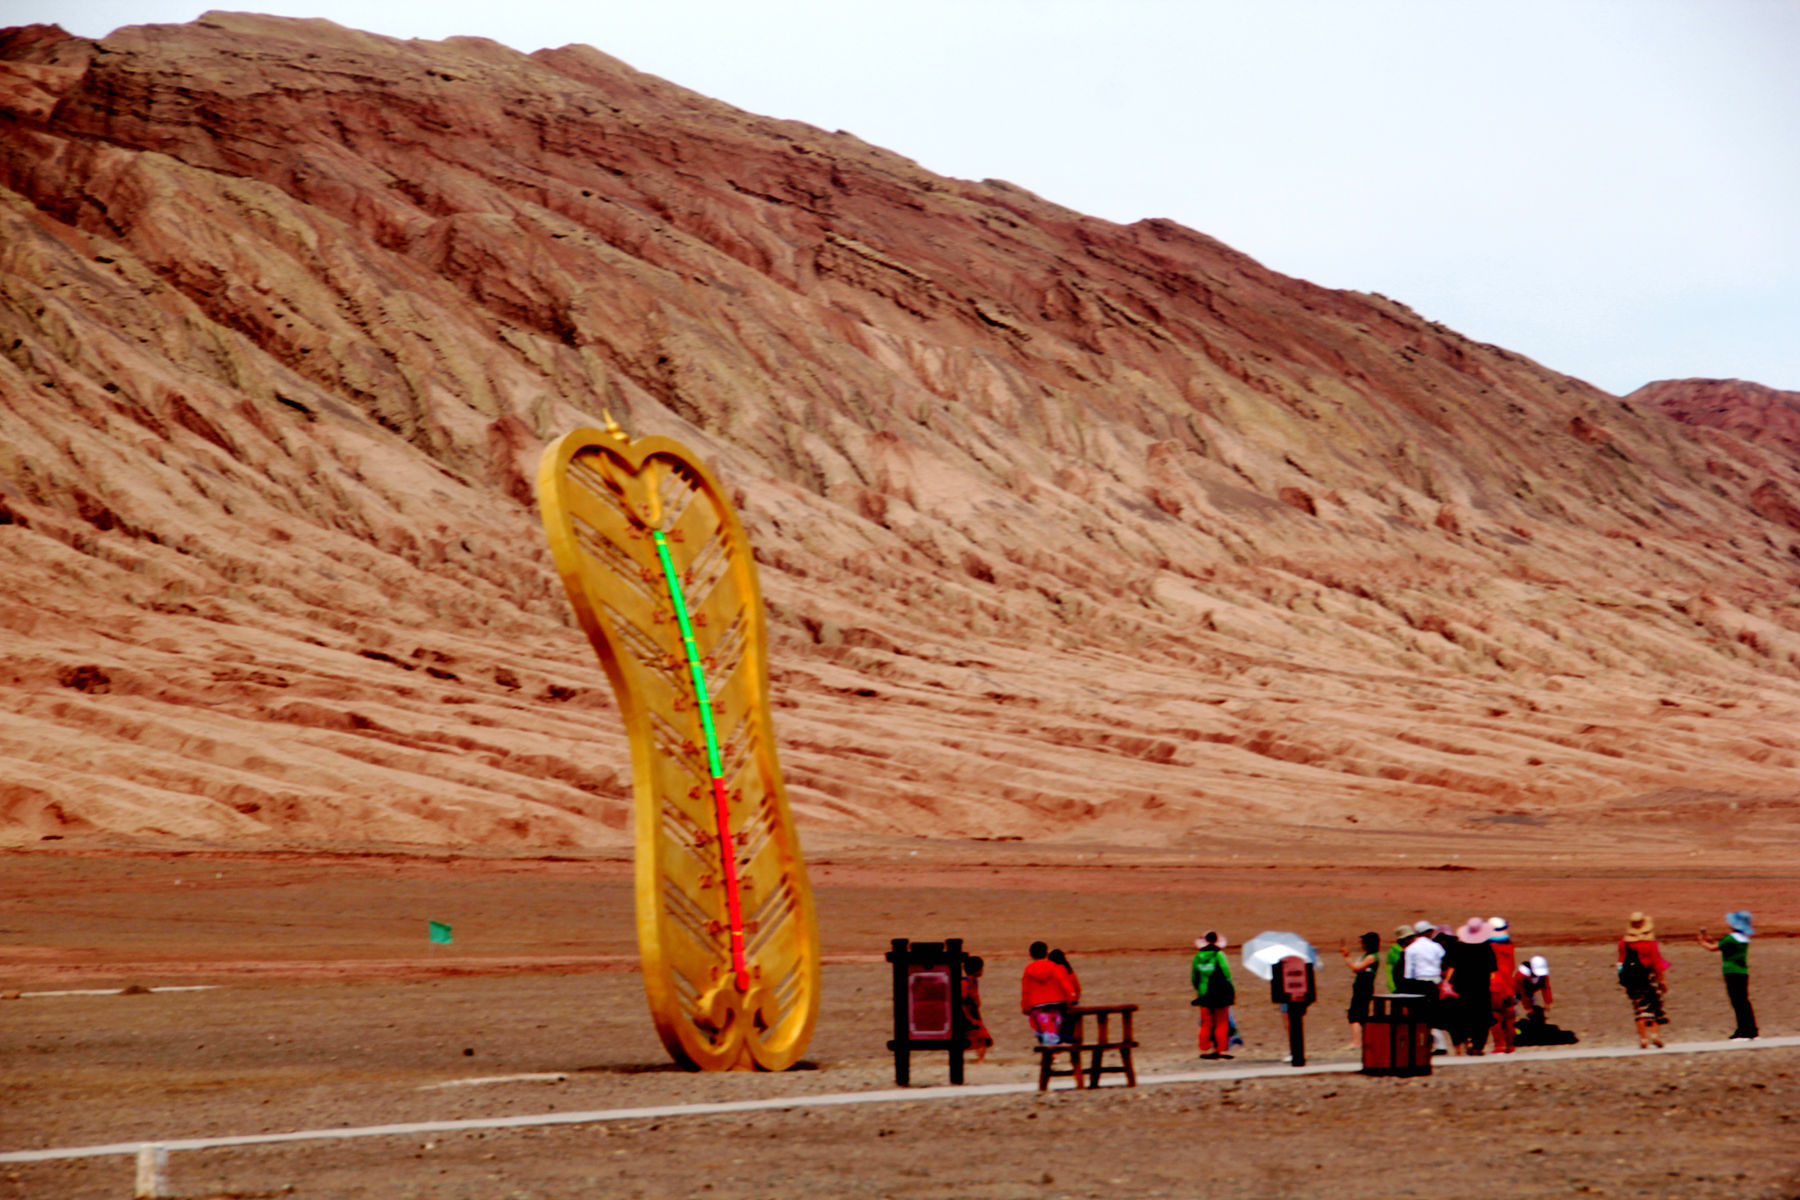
{"type": "Point", "coordinates": [928, 1002]}
{"type": "Point", "coordinates": [1293, 978]}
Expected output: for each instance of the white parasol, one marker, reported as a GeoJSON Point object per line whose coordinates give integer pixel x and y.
{"type": "Point", "coordinates": [1263, 951]}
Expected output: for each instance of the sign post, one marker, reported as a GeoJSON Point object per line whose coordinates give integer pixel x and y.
{"type": "Point", "coordinates": [1292, 985]}
{"type": "Point", "coordinates": [928, 1011]}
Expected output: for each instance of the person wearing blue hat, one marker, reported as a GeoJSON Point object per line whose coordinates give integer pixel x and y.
{"type": "Point", "coordinates": [1734, 963]}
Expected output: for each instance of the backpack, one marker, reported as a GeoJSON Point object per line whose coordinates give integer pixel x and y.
{"type": "Point", "coordinates": [1219, 991]}
{"type": "Point", "coordinates": [1632, 972]}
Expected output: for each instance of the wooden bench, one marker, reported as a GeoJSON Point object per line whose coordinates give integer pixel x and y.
{"type": "Point", "coordinates": [1096, 1047]}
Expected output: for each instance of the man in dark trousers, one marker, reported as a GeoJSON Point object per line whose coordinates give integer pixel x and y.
{"type": "Point", "coordinates": [1734, 961]}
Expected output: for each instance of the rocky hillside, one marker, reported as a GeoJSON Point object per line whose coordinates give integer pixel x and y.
{"type": "Point", "coordinates": [1068, 528]}
{"type": "Point", "coordinates": [1750, 410]}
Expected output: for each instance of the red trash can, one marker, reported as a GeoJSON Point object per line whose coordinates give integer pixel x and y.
{"type": "Point", "coordinates": [1396, 1037]}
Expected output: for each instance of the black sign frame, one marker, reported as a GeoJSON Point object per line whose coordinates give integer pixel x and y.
{"type": "Point", "coordinates": [917, 970]}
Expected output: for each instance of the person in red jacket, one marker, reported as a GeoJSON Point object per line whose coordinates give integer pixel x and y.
{"type": "Point", "coordinates": [1045, 993]}
{"type": "Point", "coordinates": [1503, 989]}
{"type": "Point", "coordinates": [1641, 974]}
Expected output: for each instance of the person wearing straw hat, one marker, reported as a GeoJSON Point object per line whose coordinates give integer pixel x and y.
{"type": "Point", "coordinates": [1641, 968]}
{"type": "Point", "coordinates": [1734, 963]}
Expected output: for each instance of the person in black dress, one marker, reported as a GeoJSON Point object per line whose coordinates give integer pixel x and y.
{"type": "Point", "coordinates": [1468, 972]}
{"type": "Point", "coordinates": [1363, 968]}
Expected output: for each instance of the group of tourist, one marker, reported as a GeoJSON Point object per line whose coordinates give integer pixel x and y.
{"type": "Point", "coordinates": [1466, 980]}
{"type": "Point", "coordinates": [1472, 987]}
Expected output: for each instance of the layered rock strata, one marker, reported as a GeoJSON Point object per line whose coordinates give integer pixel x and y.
{"type": "Point", "coordinates": [1067, 528]}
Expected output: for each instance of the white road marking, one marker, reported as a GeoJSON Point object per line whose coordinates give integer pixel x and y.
{"type": "Point", "coordinates": [534, 1077]}
{"type": "Point", "coordinates": [192, 987]}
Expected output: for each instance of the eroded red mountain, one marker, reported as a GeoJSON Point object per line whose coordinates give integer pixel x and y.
{"type": "Point", "coordinates": [1068, 528]}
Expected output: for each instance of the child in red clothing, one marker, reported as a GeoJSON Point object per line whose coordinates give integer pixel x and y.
{"type": "Point", "coordinates": [1045, 993]}
{"type": "Point", "coordinates": [980, 1040]}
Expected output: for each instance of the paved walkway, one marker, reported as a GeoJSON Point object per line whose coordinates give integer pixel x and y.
{"type": "Point", "coordinates": [885, 1096]}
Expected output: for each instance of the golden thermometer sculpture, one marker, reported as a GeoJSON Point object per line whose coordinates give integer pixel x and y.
{"type": "Point", "coordinates": [660, 575]}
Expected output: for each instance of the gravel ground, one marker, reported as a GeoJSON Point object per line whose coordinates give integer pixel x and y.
{"type": "Point", "coordinates": [280, 1047]}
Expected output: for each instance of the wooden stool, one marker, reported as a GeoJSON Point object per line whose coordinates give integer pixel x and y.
{"type": "Point", "coordinates": [1103, 1041]}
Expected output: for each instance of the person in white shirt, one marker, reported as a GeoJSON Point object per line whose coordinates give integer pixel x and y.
{"type": "Point", "coordinates": [1424, 960]}
{"type": "Point", "coordinates": [1423, 966]}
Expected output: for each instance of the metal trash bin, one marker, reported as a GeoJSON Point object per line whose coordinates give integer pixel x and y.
{"type": "Point", "coordinates": [1397, 1036]}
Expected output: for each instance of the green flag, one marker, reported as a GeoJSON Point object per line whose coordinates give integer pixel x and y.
{"type": "Point", "coordinates": [440, 933]}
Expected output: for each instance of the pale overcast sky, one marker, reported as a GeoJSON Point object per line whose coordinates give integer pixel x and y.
{"type": "Point", "coordinates": [1611, 187]}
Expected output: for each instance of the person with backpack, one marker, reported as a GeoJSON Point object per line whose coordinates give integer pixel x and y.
{"type": "Point", "coordinates": [1210, 974]}
{"type": "Point", "coordinates": [1641, 967]}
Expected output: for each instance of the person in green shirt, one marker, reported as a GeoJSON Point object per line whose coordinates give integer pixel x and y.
{"type": "Point", "coordinates": [1210, 974]}
{"type": "Point", "coordinates": [1396, 953]}
{"type": "Point", "coordinates": [1734, 963]}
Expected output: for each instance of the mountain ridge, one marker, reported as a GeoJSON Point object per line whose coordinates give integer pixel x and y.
{"type": "Point", "coordinates": [1066, 527]}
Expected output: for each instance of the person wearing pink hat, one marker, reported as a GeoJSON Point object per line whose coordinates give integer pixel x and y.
{"type": "Point", "coordinates": [1468, 976]}
{"type": "Point", "coordinates": [1214, 994]}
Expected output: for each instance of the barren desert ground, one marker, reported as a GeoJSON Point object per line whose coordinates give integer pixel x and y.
{"type": "Point", "coordinates": [333, 1009]}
